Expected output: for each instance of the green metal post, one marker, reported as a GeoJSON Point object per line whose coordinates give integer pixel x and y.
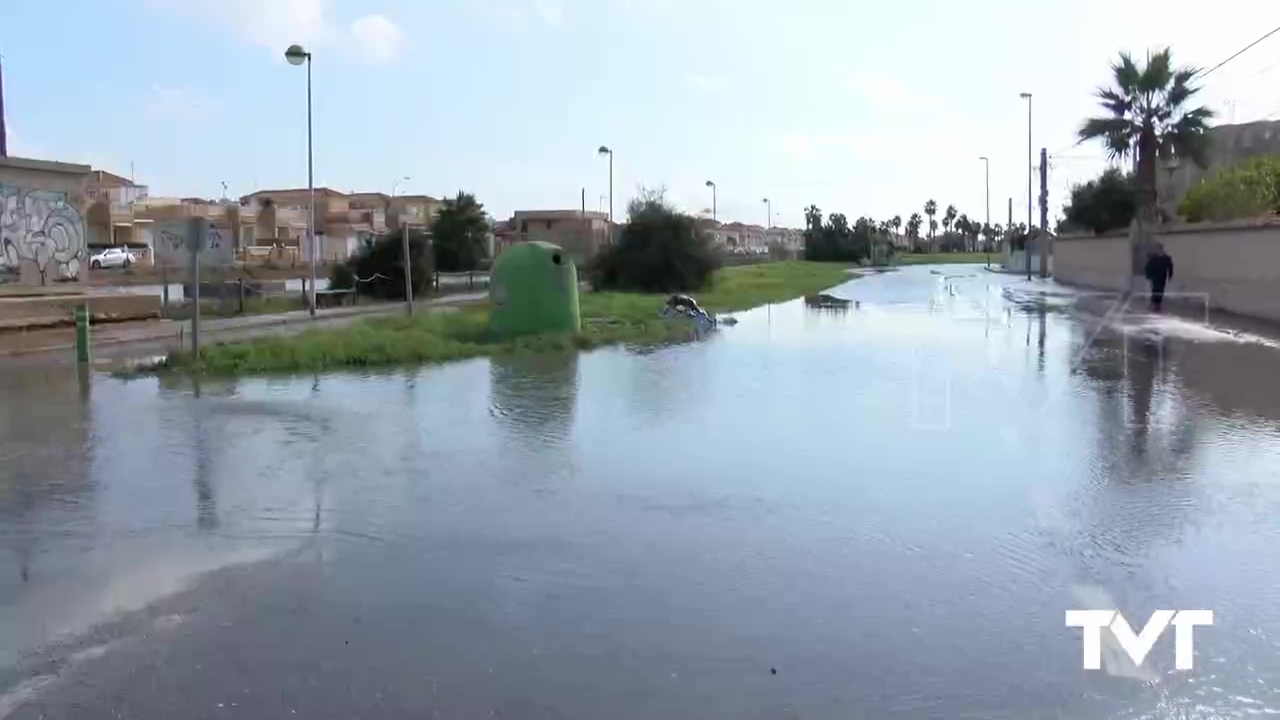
{"type": "Point", "coordinates": [82, 333]}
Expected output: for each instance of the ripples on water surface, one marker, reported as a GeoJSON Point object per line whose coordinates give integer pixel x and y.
{"type": "Point", "coordinates": [891, 505]}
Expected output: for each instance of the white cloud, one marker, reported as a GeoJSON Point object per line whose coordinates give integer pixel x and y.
{"type": "Point", "coordinates": [176, 101]}
{"type": "Point", "coordinates": [277, 24]}
{"type": "Point", "coordinates": [377, 40]}
{"type": "Point", "coordinates": [882, 89]}
{"type": "Point", "coordinates": [271, 24]}
{"type": "Point", "coordinates": [518, 13]}
{"type": "Point", "coordinates": [809, 144]}
{"type": "Point", "coordinates": [703, 83]}
{"type": "Point", "coordinates": [550, 11]}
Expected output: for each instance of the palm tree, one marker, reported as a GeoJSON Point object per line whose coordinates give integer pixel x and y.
{"type": "Point", "coordinates": [913, 229]}
{"type": "Point", "coordinates": [931, 209]}
{"type": "Point", "coordinates": [1148, 118]}
{"type": "Point", "coordinates": [896, 224]}
{"type": "Point", "coordinates": [949, 218]}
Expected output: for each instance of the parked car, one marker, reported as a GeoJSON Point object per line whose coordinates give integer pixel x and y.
{"type": "Point", "coordinates": [112, 257]}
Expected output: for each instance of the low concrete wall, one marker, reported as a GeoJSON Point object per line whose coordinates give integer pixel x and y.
{"type": "Point", "coordinates": [52, 310]}
{"type": "Point", "coordinates": [1234, 266]}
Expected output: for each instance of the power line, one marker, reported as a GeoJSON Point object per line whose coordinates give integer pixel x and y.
{"type": "Point", "coordinates": [1238, 53]}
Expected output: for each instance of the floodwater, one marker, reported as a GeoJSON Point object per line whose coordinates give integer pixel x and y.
{"type": "Point", "coordinates": [881, 512]}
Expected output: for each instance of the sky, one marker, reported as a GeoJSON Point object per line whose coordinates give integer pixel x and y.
{"type": "Point", "coordinates": [858, 107]}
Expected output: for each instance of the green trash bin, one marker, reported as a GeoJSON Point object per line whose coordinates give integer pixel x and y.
{"type": "Point", "coordinates": [533, 288]}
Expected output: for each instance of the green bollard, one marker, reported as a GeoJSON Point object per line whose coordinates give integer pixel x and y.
{"type": "Point", "coordinates": [82, 334]}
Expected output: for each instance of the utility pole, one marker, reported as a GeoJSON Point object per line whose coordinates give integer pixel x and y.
{"type": "Point", "coordinates": [584, 201]}
{"type": "Point", "coordinates": [408, 271]}
{"type": "Point", "coordinates": [197, 232]}
{"type": "Point", "coordinates": [1044, 213]}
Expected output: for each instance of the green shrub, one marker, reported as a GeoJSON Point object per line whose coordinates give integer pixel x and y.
{"type": "Point", "coordinates": [1250, 189]}
{"type": "Point", "coordinates": [377, 271]}
{"type": "Point", "coordinates": [660, 250]}
{"type": "Point", "coordinates": [1108, 202]}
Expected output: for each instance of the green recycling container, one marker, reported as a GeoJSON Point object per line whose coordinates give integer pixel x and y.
{"type": "Point", "coordinates": [533, 288]}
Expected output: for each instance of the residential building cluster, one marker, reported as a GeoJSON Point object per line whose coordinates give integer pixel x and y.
{"type": "Point", "coordinates": [114, 210]}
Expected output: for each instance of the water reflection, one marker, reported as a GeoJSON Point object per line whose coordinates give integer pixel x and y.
{"type": "Point", "coordinates": [45, 454]}
{"type": "Point", "coordinates": [533, 397]}
{"type": "Point", "coordinates": [206, 505]}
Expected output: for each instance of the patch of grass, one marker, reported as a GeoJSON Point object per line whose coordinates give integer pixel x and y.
{"type": "Point", "coordinates": [952, 258]}
{"type": "Point", "coordinates": [607, 318]}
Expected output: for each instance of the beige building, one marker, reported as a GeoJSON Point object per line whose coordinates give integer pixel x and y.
{"type": "Point", "coordinates": [581, 234]}
{"type": "Point", "coordinates": [344, 221]}
{"type": "Point", "coordinates": [43, 238]}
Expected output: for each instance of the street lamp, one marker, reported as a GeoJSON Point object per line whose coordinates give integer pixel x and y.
{"type": "Point", "coordinates": [404, 249]}
{"type": "Point", "coordinates": [986, 163]}
{"type": "Point", "coordinates": [604, 150]}
{"type": "Point", "coordinates": [1026, 245]}
{"type": "Point", "coordinates": [296, 56]}
{"type": "Point", "coordinates": [769, 209]}
{"type": "Point", "coordinates": [712, 185]}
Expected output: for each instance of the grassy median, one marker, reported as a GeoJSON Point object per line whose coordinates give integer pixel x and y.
{"type": "Point", "coordinates": [943, 258]}
{"type": "Point", "coordinates": [607, 318]}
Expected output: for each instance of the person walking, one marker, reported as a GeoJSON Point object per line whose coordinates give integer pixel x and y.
{"type": "Point", "coordinates": [1159, 271]}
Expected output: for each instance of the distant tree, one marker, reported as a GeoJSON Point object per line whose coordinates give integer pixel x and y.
{"type": "Point", "coordinates": [896, 224]}
{"type": "Point", "coordinates": [458, 234]}
{"type": "Point", "coordinates": [377, 270]}
{"type": "Point", "coordinates": [913, 231]}
{"type": "Point", "coordinates": [1147, 116]}
{"type": "Point", "coordinates": [949, 218]}
{"type": "Point", "coordinates": [931, 209]}
{"type": "Point", "coordinates": [965, 227]}
{"type": "Point", "coordinates": [1108, 202]}
{"type": "Point", "coordinates": [659, 250]}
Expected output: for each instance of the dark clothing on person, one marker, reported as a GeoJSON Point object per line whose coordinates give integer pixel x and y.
{"type": "Point", "coordinates": [1159, 271]}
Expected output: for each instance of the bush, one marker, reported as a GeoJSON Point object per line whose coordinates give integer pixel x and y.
{"type": "Point", "coordinates": [377, 270]}
{"type": "Point", "coordinates": [1251, 189]}
{"type": "Point", "coordinates": [1108, 202]}
{"type": "Point", "coordinates": [659, 250]}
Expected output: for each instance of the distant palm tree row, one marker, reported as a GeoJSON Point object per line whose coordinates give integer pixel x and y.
{"type": "Point", "coordinates": [959, 231]}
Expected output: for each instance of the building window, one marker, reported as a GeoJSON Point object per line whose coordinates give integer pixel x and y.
{"type": "Point", "coordinates": [548, 224]}
{"type": "Point", "coordinates": [524, 226]}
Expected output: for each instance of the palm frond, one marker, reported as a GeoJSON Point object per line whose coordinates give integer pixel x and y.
{"type": "Point", "coordinates": [1157, 75]}
{"type": "Point", "coordinates": [1126, 75]}
{"type": "Point", "coordinates": [1113, 101]}
{"type": "Point", "coordinates": [1182, 89]}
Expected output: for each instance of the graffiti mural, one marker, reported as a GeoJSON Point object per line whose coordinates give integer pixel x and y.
{"type": "Point", "coordinates": [41, 236]}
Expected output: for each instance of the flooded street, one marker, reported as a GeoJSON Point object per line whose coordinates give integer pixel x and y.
{"type": "Point", "coordinates": [878, 512]}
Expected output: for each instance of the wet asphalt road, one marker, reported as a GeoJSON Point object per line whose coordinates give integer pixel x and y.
{"type": "Point", "coordinates": [877, 512]}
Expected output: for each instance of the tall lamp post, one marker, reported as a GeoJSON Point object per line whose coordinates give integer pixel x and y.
{"type": "Point", "coordinates": [296, 55]}
{"type": "Point", "coordinates": [1026, 246]}
{"type": "Point", "coordinates": [769, 209]}
{"type": "Point", "coordinates": [986, 163]}
{"type": "Point", "coordinates": [604, 150]}
{"type": "Point", "coordinates": [712, 185]}
{"type": "Point", "coordinates": [408, 266]}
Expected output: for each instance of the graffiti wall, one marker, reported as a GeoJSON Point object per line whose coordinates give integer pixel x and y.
{"type": "Point", "coordinates": [172, 244]}
{"type": "Point", "coordinates": [42, 236]}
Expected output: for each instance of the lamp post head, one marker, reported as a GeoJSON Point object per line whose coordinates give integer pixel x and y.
{"type": "Point", "coordinates": [984, 159]}
{"type": "Point", "coordinates": [1025, 96]}
{"type": "Point", "coordinates": [764, 200]}
{"type": "Point", "coordinates": [296, 55]}
{"type": "Point", "coordinates": [604, 150]}
{"type": "Point", "coordinates": [710, 184]}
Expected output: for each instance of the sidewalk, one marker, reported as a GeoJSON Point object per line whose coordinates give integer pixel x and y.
{"type": "Point", "coordinates": [168, 333]}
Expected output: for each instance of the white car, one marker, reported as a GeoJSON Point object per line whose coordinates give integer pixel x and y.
{"type": "Point", "coordinates": [112, 257]}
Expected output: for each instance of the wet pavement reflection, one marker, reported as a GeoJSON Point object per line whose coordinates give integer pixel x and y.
{"type": "Point", "coordinates": [879, 509]}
